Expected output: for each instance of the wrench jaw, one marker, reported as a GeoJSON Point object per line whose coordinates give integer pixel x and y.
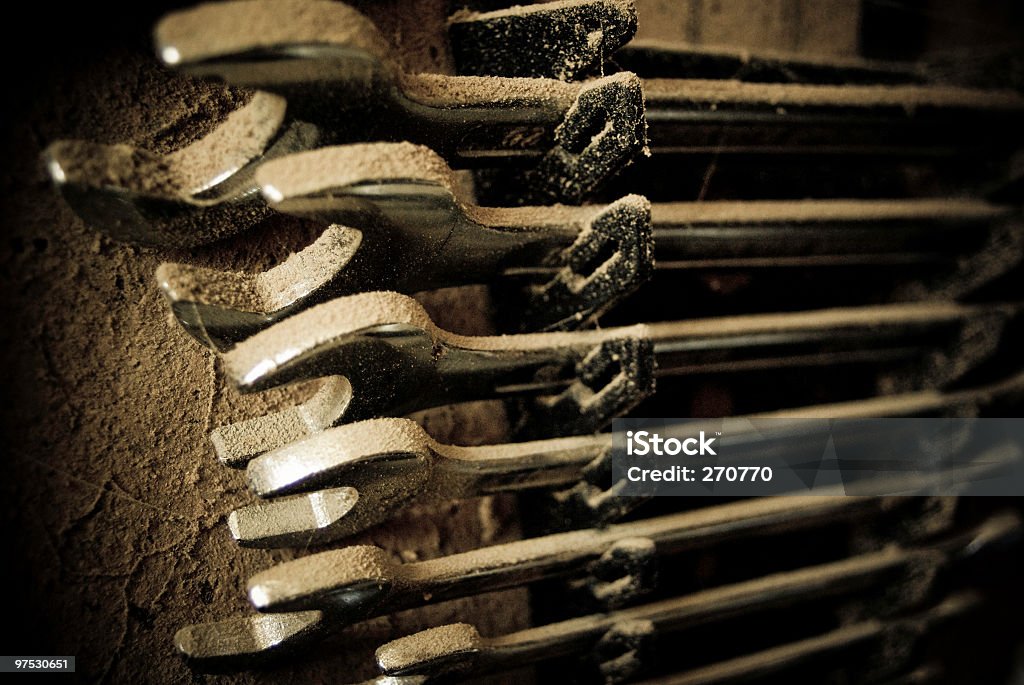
{"type": "Point", "coordinates": [213, 327]}
{"type": "Point", "coordinates": [625, 573]}
{"type": "Point", "coordinates": [244, 641]}
{"type": "Point", "coordinates": [327, 87]}
{"type": "Point", "coordinates": [911, 585]}
{"type": "Point", "coordinates": [196, 195]}
{"type": "Point", "coordinates": [625, 650]}
{"type": "Point", "coordinates": [347, 583]}
{"type": "Point", "coordinates": [374, 485]}
{"type": "Point", "coordinates": [297, 521]}
{"type": "Point", "coordinates": [310, 184]}
{"type": "Point", "coordinates": [440, 652]}
{"type": "Point", "coordinates": [318, 517]}
{"type": "Point", "coordinates": [103, 185]}
{"type": "Point", "coordinates": [601, 134]}
{"type": "Point", "coordinates": [361, 337]}
{"type": "Point", "coordinates": [416, 234]}
{"type": "Point", "coordinates": [236, 443]}
{"type": "Point", "coordinates": [356, 455]}
{"type": "Point", "coordinates": [590, 502]}
{"type": "Point", "coordinates": [222, 308]}
{"type": "Point", "coordinates": [609, 380]}
{"type": "Point", "coordinates": [325, 58]}
{"type": "Point", "coordinates": [217, 308]}
{"type": "Point", "coordinates": [270, 43]}
{"type": "Point", "coordinates": [612, 257]}
{"type": "Point", "coordinates": [1002, 252]}
{"type": "Point", "coordinates": [133, 196]}
{"type": "Point", "coordinates": [559, 40]}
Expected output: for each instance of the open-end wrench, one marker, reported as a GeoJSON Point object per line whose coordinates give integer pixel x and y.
{"type": "Point", "coordinates": [351, 584]}
{"type": "Point", "coordinates": [872, 648]}
{"type": "Point", "coordinates": [685, 115]}
{"type": "Point", "coordinates": [335, 69]}
{"type": "Point", "coordinates": [397, 361]}
{"type": "Point", "coordinates": [348, 478]}
{"type": "Point", "coordinates": [198, 194]}
{"type": "Point", "coordinates": [397, 222]}
{"type": "Point", "coordinates": [459, 652]}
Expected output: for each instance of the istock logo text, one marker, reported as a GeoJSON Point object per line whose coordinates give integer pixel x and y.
{"type": "Point", "coordinates": [642, 443]}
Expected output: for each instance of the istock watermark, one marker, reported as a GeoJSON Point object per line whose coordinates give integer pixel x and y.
{"type": "Point", "coordinates": [754, 457]}
{"type": "Point", "coordinates": [642, 443]}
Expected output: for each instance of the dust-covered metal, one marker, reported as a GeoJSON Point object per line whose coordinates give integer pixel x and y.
{"type": "Point", "coordinates": [829, 233]}
{"type": "Point", "coordinates": [358, 579]}
{"type": "Point", "coordinates": [397, 223]}
{"type": "Point", "coordinates": [898, 123]}
{"type": "Point", "coordinates": [561, 40]}
{"type": "Point", "coordinates": [651, 58]}
{"type": "Point", "coordinates": [398, 361]}
{"type": "Point", "coordinates": [330, 590]}
{"type": "Point", "coordinates": [335, 70]}
{"type": "Point", "coordinates": [236, 443]}
{"type": "Point", "coordinates": [860, 652]}
{"type": "Point", "coordinates": [248, 640]}
{"type": "Point", "coordinates": [889, 582]}
{"type": "Point", "coordinates": [351, 477]}
{"type": "Point", "coordinates": [198, 194]}
{"type": "Point", "coordinates": [707, 100]}
{"type": "Point", "coordinates": [569, 39]}
{"type": "Point", "coordinates": [385, 465]}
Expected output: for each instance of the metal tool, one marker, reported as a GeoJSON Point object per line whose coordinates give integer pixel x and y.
{"type": "Point", "coordinates": [810, 127]}
{"type": "Point", "coordinates": [385, 465]}
{"type": "Point", "coordinates": [808, 139]}
{"type": "Point", "coordinates": [575, 135]}
{"type": "Point", "coordinates": [872, 648]}
{"type": "Point", "coordinates": [355, 583]}
{"type": "Point", "coordinates": [335, 70]}
{"type": "Point", "coordinates": [361, 474]}
{"type": "Point", "coordinates": [712, 103]}
{"type": "Point", "coordinates": [235, 443]}
{"type": "Point", "coordinates": [352, 71]}
{"type": "Point", "coordinates": [198, 194]}
{"type": "Point", "coordinates": [353, 580]}
{"type": "Point", "coordinates": [928, 674]}
{"type": "Point", "coordinates": [560, 40]}
{"type": "Point", "coordinates": [661, 59]}
{"type": "Point", "coordinates": [398, 361]}
{"type": "Point", "coordinates": [405, 229]}
{"type": "Point", "coordinates": [398, 223]}
{"type": "Point", "coordinates": [459, 652]}
{"type": "Point", "coordinates": [726, 118]}
{"type": "Point", "coordinates": [567, 40]}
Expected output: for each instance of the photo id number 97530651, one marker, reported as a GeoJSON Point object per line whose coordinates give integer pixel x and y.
{"type": "Point", "coordinates": [37, 664]}
{"type": "Point", "coordinates": [32, 664]}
